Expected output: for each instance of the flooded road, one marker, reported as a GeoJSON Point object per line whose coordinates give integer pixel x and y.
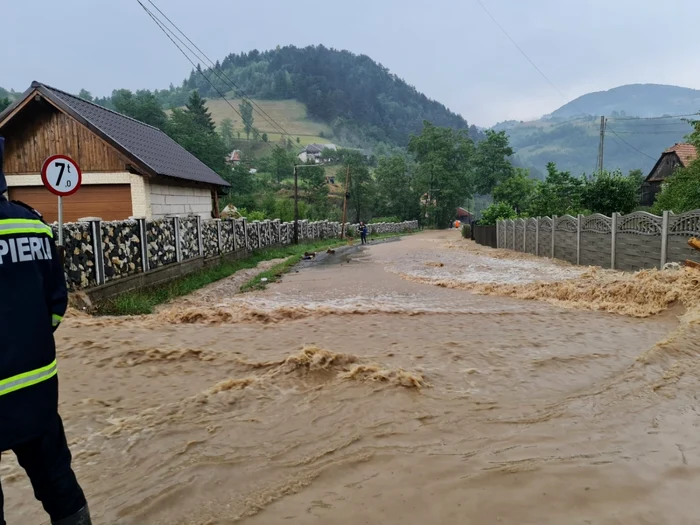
{"type": "Point", "coordinates": [382, 388]}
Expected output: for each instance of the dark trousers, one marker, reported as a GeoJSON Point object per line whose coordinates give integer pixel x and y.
{"type": "Point", "coordinates": [46, 460]}
{"type": "Point", "coordinates": [363, 237]}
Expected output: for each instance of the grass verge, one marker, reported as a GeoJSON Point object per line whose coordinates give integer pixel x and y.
{"type": "Point", "coordinates": [143, 301]}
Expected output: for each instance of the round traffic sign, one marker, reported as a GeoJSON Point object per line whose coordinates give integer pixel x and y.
{"type": "Point", "coordinates": [61, 175]}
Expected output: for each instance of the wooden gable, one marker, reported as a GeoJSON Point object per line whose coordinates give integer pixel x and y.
{"type": "Point", "coordinates": [664, 167]}
{"type": "Point", "coordinates": [39, 129]}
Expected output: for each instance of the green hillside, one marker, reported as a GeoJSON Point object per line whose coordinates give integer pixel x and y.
{"type": "Point", "coordinates": [291, 115]}
{"type": "Point", "coordinates": [360, 102]}
{"type": "Point", "coordinates": [638, 129]}
{"type": "Point", "coordinates": [573, 145]}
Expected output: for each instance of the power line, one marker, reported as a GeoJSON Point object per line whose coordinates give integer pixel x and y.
{"type": "Point", "coordinates": [520, 49]}
{"type": "Point", "coordinates": [573, 102]}
{"type": "Point", "coordinates": [655, 118]}
{"type": "Point", "coordinates": [278, 127]}
{"type": "Point", "coordinates": [167, 33]}
{"type": "Point", "coordinates": [666, 132]}
{"type": "Point", "coordinates": [630, 145]}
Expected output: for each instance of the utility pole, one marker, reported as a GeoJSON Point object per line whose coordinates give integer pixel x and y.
{"type": "Point", "coordinates": [601, 146]}
{"type": "Point", "coordinates": [345, 202]}
{"type": "Point", "coordinates": [296, 206]}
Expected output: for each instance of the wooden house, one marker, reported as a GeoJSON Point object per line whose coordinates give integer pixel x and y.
{"type": "Point", "coordinates": [679, 155]}
{"type": "Point", "coordinates": [129, 168]}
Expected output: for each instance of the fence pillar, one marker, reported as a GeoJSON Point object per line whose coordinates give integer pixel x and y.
{"type": "Point", "coordinates": [218, 236]}
{"type": "Point", "coordinates": [498, 233]}
{"type": "Point", "coordinates": [554, 227]}
{"type": "Point", "coordinates": [200, 237]}
{"type": "Point", "coordinates": [524, 235]}
{"type": "Point", "coordinates": [512, 234]}
{"type": "Point", "coordinates": [143, 235]}
{"type": "Point", "coordinates": [664, 239]}
{"type": "Point", "coordinates": [578, 239]}
{"type": "Point", "coordinates": [97, 248]}
{"type": "Point", "coordinates": [537, 236]}
{"type": "Point", "coordinates": [276, 232]}
{"type": "Point", "coordinates": [245, 234]}
{"type": "Point", "coordinates": [613, 229]}
{"type": "Point", "coordinates": [178, 241]}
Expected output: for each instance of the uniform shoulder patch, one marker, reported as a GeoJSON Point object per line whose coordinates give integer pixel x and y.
{"type": "Point", "coordinates": [29, 208]}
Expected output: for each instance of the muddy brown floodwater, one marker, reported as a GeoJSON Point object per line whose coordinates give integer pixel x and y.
{"type": "Point", "coordinates": [375, 388]}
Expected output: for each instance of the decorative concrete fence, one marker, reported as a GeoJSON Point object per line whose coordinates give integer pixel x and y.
{"type": "Point", "coordinates": [98, 252]}
{"type": "Point", "coordinates": [624, 242]}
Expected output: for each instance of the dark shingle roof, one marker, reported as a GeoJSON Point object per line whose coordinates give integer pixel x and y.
{"type": "Point", "coordinates": [147, 145]}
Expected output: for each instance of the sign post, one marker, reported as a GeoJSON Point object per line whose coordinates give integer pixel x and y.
{"type": "Point", "coordinates": [61, 175]}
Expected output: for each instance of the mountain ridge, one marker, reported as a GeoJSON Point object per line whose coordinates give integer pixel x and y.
{"type": "Point", "coordinates": [638, 100]}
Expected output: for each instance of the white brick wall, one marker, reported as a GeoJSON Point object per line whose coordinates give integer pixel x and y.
{"type": "Point", "coordinates": [176, 200]}
{"type": "Point", "coordinates": [139, 196]}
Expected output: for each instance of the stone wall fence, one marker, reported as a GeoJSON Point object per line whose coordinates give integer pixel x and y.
{"type": "Point", "coordinates": [623, 242]}
{"type": "Point", "coordinates": [100, 253]}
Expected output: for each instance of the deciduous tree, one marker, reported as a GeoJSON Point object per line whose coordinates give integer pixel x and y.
{"type": "Point", "coordinates": [491, 163]}
{"type": "Point", "coordinates": [246, 110]}
{"type": "Point", "coordinates": [226, 132]}
{"type": "Point", "coordinates": [443, 157]}
{"type": "Point", "coordinates": [517, 190]}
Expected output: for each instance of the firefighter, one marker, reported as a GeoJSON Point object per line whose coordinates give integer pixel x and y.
{"type": "Point", "coordinates": [33, 300]}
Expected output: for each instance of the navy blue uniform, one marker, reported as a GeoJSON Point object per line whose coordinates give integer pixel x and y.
{"type": "Point", "coordinates": [33, 300]}
{"type": "Point", "coordinates": [363, 233]}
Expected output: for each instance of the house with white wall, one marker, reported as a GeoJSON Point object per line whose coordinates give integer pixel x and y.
{"type": "Point", "coordinates": [129, 168]}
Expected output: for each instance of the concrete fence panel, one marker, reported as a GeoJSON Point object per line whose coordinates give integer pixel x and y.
{"type": "Point", "coordinates": [681, 228]}
{"type": "Point", "coordinates": [638, 241]}
{"type": "Point", "coordinates": [565, 238]}
{"type": "Point", "coordinates": [519, 232]}
{"type": "Point", "coordinates": [596, 240]}
{"type": "Point", "coordinates": [631, 242]}
{"type": "Point", "coordinates": [531, 236]}
{"type": "Point", "coordinates": [545, 237]}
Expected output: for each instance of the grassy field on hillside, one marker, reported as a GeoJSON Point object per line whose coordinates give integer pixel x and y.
{"type": "Point", "coordinates": [289, 114]}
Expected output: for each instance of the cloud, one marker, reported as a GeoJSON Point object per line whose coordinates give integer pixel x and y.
{"type": "Point", "coordinates": [449, 49]}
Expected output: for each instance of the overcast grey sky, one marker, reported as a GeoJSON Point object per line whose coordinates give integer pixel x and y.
{"type": "Point", "coordinates": [449, 49]}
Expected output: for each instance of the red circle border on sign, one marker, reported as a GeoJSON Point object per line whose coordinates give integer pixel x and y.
{"type": "Point", "coordinates": [45, 181]}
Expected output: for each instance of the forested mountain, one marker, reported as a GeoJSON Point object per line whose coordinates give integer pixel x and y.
{"type": "Point", "coordinates": [360, 99]}
{"type": "Point", "coordinates": [638, 100]}
{"type": "Point", "coordinates": [639, 127]}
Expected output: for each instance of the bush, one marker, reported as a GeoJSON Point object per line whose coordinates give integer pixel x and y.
{"type": "Point", "coordinates": [497, 211]}
{"type": "Point", "coordinates": [252, 215]}
{"type": "Point", "coordinates": [680, 192]}
{"type": "Point", "coordinates": [384, 219]}
{"type": "Point", "coordinates": [467, 231]}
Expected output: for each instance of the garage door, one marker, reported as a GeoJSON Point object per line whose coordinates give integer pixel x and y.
{"type": "Point", "coordinates": [111, 202]}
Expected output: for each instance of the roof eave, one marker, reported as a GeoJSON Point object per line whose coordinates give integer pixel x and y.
{"type": "Point", "coordinates": [9, 110]}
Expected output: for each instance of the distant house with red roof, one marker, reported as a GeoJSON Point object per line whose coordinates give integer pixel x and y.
{"type": "Point", "coordinates": [235, 157]}
{"type": "Point", "coordinates": [464, 215]}
{"type": "Point", "coordinates": [678, 155]}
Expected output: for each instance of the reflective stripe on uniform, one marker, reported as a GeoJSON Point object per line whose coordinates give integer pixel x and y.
{"type": "Point", "coordinates": [56, 319]}
{"type": "Point", "coordinates": [12, 226]}
{"type": "Point", "coordinates": [33, 377]}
